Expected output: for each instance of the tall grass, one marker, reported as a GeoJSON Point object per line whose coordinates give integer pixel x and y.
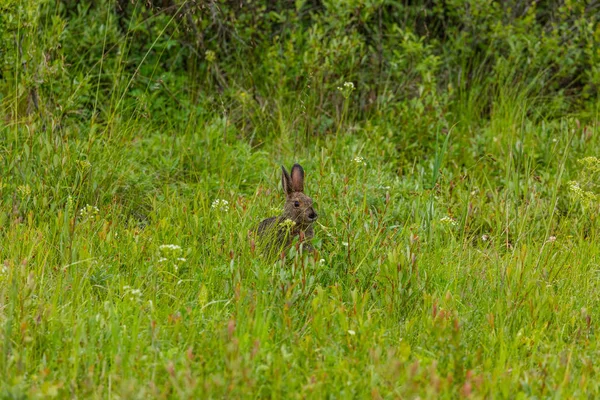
{"type": "Point", "coordinates": [471, 273]}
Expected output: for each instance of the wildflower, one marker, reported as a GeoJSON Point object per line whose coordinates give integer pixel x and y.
{"type": "Point", "coordinates": [89, 211]}
{"type": "Point", "coordinates": [288, 223]}
{"type": "Point", "coordinates": [70, 202]}
{"type": "Point", "coordinates": [24, 191]}
{"type": "Point", "coordinates": [275, 210]}
{"type": "Point", "coordinates": [351, 332]}
{"type": "Point", "coordinates": [590, 163]}
{"type": "Point", "coordinates": [169, 247]}
{"type": "Point", "coordinates": [552, 239]}
{"type": "Point", "coordinates": [346, 89]}
{"type": "Point", "coordinates": [173, 253]}
{"type": "Point", "coordinates": [345, 244]}
{"type": "Point", "coordinates": [580, 194]}
{"type": "Point", "coordinates": [322, 261]}
{"type": "Point", "coordinates": [448, 221]}
{"type": "Point", "coordinates": [485, 238]}
{"type": "Point", "coordinates": [169, 251]}
{"type": "Point", "coordinates": [359, 160]}
{"type": "Point", "coordinates": [221, 205]}
{"type": "Point", "coordinates": [83, 165]}
{"type": "Point", "coordinates": [574, 186]}
{"type": "Point", "coordinates": [210, 56]}
{"type": "Point", "coordinates": [132, 294]}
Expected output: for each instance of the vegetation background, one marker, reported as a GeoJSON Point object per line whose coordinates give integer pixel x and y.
{"type": "Point", "coordinates": [449, 147]}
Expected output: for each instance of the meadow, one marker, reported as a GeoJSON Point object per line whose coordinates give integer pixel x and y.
{"type": "Point", "coordinates": [449, 148]}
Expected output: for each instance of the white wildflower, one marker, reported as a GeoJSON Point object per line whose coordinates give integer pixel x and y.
{"type": "Point", "coordinates": [346, 89]}
{"type": "Point", "coordinates": [351, 332]}
{"type": "Point", "coordinates": [552, 239]}
{"type": "Point", "coordinates": [485, 238]}
{"type": "Point", "coordinates": [220, 204]}
{"type": "Point", "coordinates": [171, 256]}
{"type": "Point", "coordinates": [583, 195]}
{"type": "Point", "coordinates": [448, 221]}
{"type": "Point", "coordinates": [359, 160]}
{"type": "Point", "coordinates": [574, 186]}
{"type": "Point", "coordinates": [169, 252]}
{"type": "Point", "coordinates": [89, 211]}
{"type": "Point", "coordinates": [132, 294]}
{"type": "Point", "coordinates": [345, 244]}
{"type": "Point", "coordinates": [171, 247]}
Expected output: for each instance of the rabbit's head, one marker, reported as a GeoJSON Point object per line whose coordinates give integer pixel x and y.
{"type": "Point", "coordinates": [298, 206]}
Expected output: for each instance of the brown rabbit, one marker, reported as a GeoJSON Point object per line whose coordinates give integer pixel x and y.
{"type": "Point", "coordinates": [298, 209]}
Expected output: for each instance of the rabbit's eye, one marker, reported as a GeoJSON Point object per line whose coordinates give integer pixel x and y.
{"type": "Point", "coordinates": [296, 204]}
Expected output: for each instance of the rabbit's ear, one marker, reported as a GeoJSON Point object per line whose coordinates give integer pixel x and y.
{"type": "Point", "coordinates": [286, 181]}
{"type": "Point", "coordinates": [297, 178]}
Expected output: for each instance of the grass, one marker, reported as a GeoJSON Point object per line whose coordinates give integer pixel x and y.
{"type": "Point", "coordinates": [400, 301]}
{"type": "Point", "coordinates": [471, 273]}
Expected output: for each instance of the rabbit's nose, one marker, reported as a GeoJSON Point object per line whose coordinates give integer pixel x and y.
{"type": "Point", "coordinates": [313, 215]}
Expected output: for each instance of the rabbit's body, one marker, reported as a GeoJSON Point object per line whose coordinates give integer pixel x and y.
{"type": "Point", "coordinates": [297, 218]}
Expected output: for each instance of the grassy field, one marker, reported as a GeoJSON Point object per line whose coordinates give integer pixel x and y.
{"type": "Point", "coordinates": [452, 261]}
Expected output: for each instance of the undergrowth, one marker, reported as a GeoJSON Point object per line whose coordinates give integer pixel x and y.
{"type": "Point", "coordinates": [456, 245]}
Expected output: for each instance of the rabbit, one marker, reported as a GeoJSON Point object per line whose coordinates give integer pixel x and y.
{"type": "Point", "coordinates": [277, 232]}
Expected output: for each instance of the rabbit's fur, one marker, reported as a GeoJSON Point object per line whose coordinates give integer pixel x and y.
{"type": "Point", "coordinates": [298, 208]}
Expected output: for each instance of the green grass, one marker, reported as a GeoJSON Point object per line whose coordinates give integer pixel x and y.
{"type": "Point", "coordinates": [457, 266]}
{"type": "Point", "coordinates": [397, 302]}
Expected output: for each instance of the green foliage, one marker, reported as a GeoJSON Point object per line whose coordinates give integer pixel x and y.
{"type": "Point", "coordinates": [450, 148]}
{"type": "Point", "coordinates": [585, 189]}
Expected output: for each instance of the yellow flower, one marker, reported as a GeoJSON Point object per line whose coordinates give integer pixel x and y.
{"type": "Point", "coordinates": [210, 56]}
{"type": "Point", "coordinates": [83, 165]}
{"type": "Point", "coordinates": [288, 223]}
{"type": "Point", "coordinates": [24, 191]}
